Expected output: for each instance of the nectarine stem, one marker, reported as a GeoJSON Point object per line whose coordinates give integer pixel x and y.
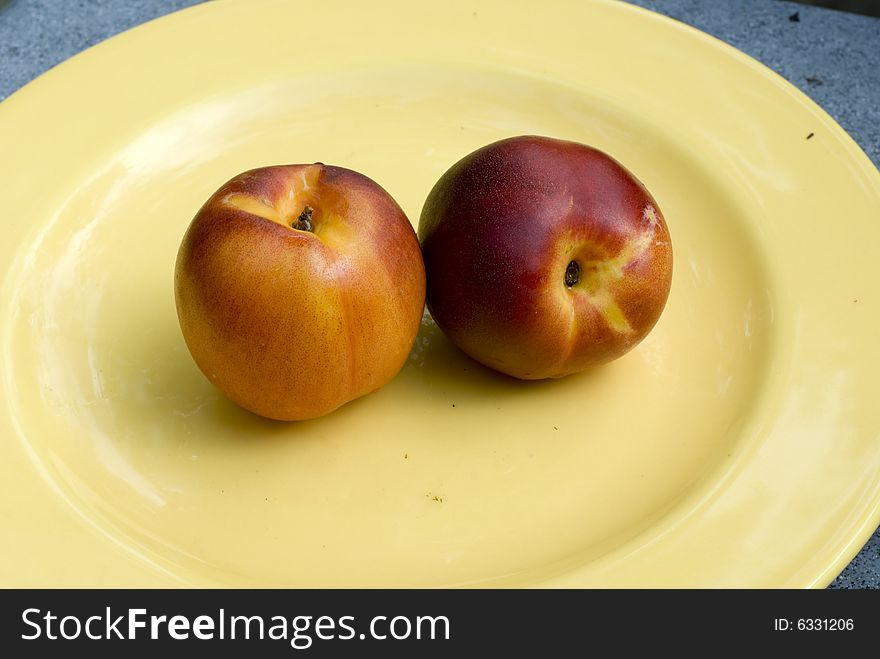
{"type": "Point", "coordinates": [304, 221]}
{"type": "Point", "coordinates": [572, 274]}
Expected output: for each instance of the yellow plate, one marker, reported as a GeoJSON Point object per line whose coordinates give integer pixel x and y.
{"type": "Point", "coordinates": [738, 446]}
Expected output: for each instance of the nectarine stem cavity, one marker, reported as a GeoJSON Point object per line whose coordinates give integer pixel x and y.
{"type": "Point", "coordinates": [572, 274]}
{"type": "Point", "coordinates": [304, 221]}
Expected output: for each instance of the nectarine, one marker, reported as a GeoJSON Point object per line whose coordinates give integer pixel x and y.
{"type": "Point", "coordinates": [544, 257]}
{"type": "Point", "coordinates": [299, 288]}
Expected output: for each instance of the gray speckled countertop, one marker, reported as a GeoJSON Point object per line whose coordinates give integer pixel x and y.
{"type": "Point", "coordinates": [831, 56]}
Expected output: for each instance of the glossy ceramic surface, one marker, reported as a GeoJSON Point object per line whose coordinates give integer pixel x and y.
{"type": "Point", "coordinates": [737, 446]}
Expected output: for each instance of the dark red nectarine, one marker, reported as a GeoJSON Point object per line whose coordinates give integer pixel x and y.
{"type": "Point", "coordinates": [544, 257]}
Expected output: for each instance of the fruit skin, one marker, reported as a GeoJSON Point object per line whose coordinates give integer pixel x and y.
{"type": "Point", "coordinates": [291, 323]}
{"type": "Point", "coordinates": [498, 232]}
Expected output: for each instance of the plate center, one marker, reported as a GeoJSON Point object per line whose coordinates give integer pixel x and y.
{"type": "Point", "coordinates": [451, 474]}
